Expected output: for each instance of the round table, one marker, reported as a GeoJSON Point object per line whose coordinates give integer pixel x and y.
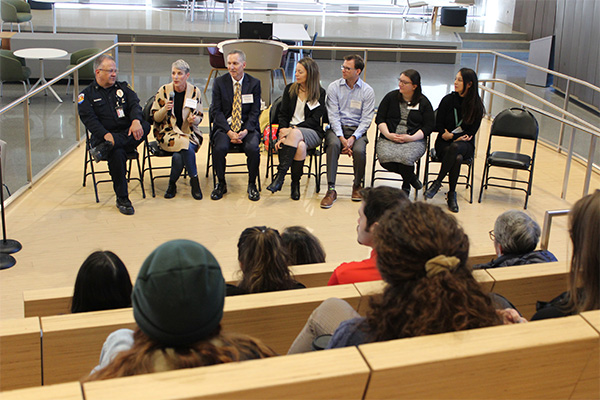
{"type": "Point", "coordinates": [41, 54]}
{"type": "Point", "coordinates": [54, 9]}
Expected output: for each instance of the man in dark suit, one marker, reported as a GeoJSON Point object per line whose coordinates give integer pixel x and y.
{"type": "Point", "coordinates": [234, 111]}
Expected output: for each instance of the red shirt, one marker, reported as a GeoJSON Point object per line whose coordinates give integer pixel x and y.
{"type": "Point", "coordinates": [356, 271]}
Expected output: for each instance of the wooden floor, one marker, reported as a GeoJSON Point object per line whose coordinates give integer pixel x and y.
{"type": "Point", "coordinates": [59, 223]}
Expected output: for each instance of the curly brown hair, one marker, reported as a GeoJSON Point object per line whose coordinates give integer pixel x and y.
{"type": "Point", "coordinates": [414, 303]}
{"type": "Point", "coordinates": [217, 349]}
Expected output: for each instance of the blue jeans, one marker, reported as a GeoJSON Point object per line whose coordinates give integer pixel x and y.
{"type": "Point", "coordinates": [181, 158]}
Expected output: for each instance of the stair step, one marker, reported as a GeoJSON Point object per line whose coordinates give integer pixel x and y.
{"type": "Point", "coordinates": [496, 45]}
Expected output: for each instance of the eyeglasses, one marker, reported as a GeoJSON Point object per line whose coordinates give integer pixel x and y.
{"type": "Point", "coordinates": [110, 71]}
{"type": "Point", "coordinates": [344, 68]}
{"type": "Point", "coordinates": [404, 82]}
{"type": "Point", "coordinates": [492, 236]}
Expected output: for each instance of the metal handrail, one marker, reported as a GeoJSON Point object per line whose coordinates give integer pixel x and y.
{"type": "Point", "coordinates": [545, 237]}
{"type": "Point", "coordinates": [584, 126]}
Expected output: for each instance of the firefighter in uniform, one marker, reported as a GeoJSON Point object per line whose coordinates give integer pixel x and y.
{"type": "Point", "coordinates": [111, 111]}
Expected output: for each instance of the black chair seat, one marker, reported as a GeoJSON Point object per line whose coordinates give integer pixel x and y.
{"type": "Point", "coordinates": [509, 160]}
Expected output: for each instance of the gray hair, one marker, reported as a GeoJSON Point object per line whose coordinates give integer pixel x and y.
{"type": "Point", "coordinates": [98, 61]}
{"type": "Point", "coordinates": [238, 52]}
{"type": "Point", "coordinates": [516, 232]}
{"type": "Point", "coordinates": [181, 65]}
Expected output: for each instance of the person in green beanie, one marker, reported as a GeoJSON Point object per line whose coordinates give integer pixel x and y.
{"type": "Point", "coordinates": [178, 303]}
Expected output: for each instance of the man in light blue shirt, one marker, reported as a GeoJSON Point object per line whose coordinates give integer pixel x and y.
{"type": "Point", "coordinates": [350, 104]}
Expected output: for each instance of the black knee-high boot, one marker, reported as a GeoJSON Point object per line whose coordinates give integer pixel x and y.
{"type": "Point", "coordinates": [297, 170]}
{"type": "Point", "coordinates": [286, 156]}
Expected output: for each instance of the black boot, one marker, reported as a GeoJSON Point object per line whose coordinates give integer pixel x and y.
{"type": "Point", "coordinates": [196, 191]}
{"type": "Point", "coordinates": [171, 190]}
{"type": "Point", "coordinates": [452, 204]}
{"type": "Point", "coordinates": [286, 155]}
{"type": "Point", "coordinates": [297, 169]}
{"type": "Point", "coordinates": [433, 189]}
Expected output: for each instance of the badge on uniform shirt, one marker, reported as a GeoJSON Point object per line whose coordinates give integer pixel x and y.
{"type": "Point", "coordinates": [120, 112]}
{"type": "Point", "coordinates": [119, 93]}
{"type": "Point", "coordinates": [80, 98]}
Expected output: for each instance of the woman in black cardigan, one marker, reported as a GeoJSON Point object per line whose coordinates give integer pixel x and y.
{"type": "Point", "coordinates": [404, 118]}
{"type": "Point", "coordinates": [300, 124]}
{"type": "Point", "coordinates": [458, 119]}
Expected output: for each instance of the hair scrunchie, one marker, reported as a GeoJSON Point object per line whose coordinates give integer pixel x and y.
{"type": "Point", "coordinates": [441, 263]}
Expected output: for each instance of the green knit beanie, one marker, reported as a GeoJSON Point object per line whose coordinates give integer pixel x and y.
{"type": "Point", "coordinates": [179, 294]}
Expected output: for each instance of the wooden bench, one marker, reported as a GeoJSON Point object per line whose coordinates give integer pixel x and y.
{"type": "Point", "coordinates": [72, 342]}
{"type": "Point", "coordinates": [588, 386]}
{"type": "Point", "coordinates": [339, 373]}
{"type": "Point", "coordinates": [57, 301]}
{"type": "Point", "coordinates": [63, 391]}
{"type": "Point", "coordinates": [524, 285]}
{"type": "Point", "coordinates": [542, 359]}
{"type": "Point", "coordinates": [20, 358]}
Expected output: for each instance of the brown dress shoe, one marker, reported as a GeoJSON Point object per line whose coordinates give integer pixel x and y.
{"type": "Point", "coordinates": [329, 199]}
{"type": "Point", "coordinates": [356, 193]}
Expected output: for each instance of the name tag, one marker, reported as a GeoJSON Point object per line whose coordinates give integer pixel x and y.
{"type": "Point", "coordinates": [120, 112]}
{"type": "Point", "coordinates": [415, 107]}
{"type": "Point", "coordinates": [312, 106]}
{"type": "Point", "coordinates": [355, 104]}
{"type": "Point", "coordinates": [191, 103]}
{"type": "Point", "coordinates": [247, 98]}
{"type": "Point", "coordinates": [458, 130]}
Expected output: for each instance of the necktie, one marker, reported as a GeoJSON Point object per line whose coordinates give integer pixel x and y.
{"type": "Point", "coordinates": [236, 112]}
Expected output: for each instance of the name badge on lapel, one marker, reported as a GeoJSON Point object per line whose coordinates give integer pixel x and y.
{"type": "Point", "coordinates": [415, 107]}
{"type": "Point", "coordinates": [247, 98]}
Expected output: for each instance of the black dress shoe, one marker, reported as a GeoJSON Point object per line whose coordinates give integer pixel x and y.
{"type": "Point", "coordinates": [171, 191]}
{"type": "Point", "coordinates": [416, 183]}
{"type": "Point", "coordinates": [219, 191]}
{"type": "Point", "coordinates": [125, 206]}
{"type": "Point", "coordinates": [253, 193]}
{"type": "Point", "coordinates": [432, 190]}
{"type": "Point", "coordinates": [452, 203]}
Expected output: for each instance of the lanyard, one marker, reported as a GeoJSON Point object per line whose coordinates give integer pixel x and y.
{"type": "Point", "coordinates": [458, 123]}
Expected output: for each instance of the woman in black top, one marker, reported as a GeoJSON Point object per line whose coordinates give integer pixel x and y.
{"type": "Point", "coordinates": [300, 124]}
{"type": "Point", "coordinates": [264, 263]}
{"type": "Point", "coordinates": [458, 119]}
{"type": "Point", "coordinates": [404, 118]}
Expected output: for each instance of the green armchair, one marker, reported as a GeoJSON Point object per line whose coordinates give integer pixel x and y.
{"type": "Point", "coordinates": [86, 72]}
{"type": "Point", "coordinates": [13, 69]}
{"type": "Point", "coordinates": [15, 12]}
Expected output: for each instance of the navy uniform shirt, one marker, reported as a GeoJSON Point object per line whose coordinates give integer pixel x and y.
{"type": "Point", "coordinates": [108, 110]}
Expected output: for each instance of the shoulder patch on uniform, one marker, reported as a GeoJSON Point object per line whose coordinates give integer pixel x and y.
{"type": "Point", "coordinates": [80, 98]}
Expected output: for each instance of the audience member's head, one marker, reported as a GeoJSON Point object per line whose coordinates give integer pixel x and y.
{"type": "Point", "coordinates": [375, 202]}
{"type": "Point", "coordinates": [422, 255]}
{"type": "Point", "coordinates": [584, 278]}
{"type": "Point", "coordinates": [302, 246]}
{"type": "Point", "coordinates": [515, 233]}
{"type": "Point", "coordinates": [178, 303]}
{"type": "Point", "coordinates": [263, 261]}
{"type": "Point", "coordinates": [102, 283]}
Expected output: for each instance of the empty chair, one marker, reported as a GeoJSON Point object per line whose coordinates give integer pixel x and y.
{"type": "Point", "coordinates": [217, 62]}
{"type": "Point", "coordinates": [15, 12]}
{"type": "Point", "coordinates": [13, 69]}
{"type": "Point", "coordinates": [516, 123]}
{"type": "Point", "coordinates": [86, 72]}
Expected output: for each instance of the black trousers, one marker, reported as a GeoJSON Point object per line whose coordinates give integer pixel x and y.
{"type": "Point", "coordinates": [117, 158]}
{"type": "Point", "coordinates": [221, 145]}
